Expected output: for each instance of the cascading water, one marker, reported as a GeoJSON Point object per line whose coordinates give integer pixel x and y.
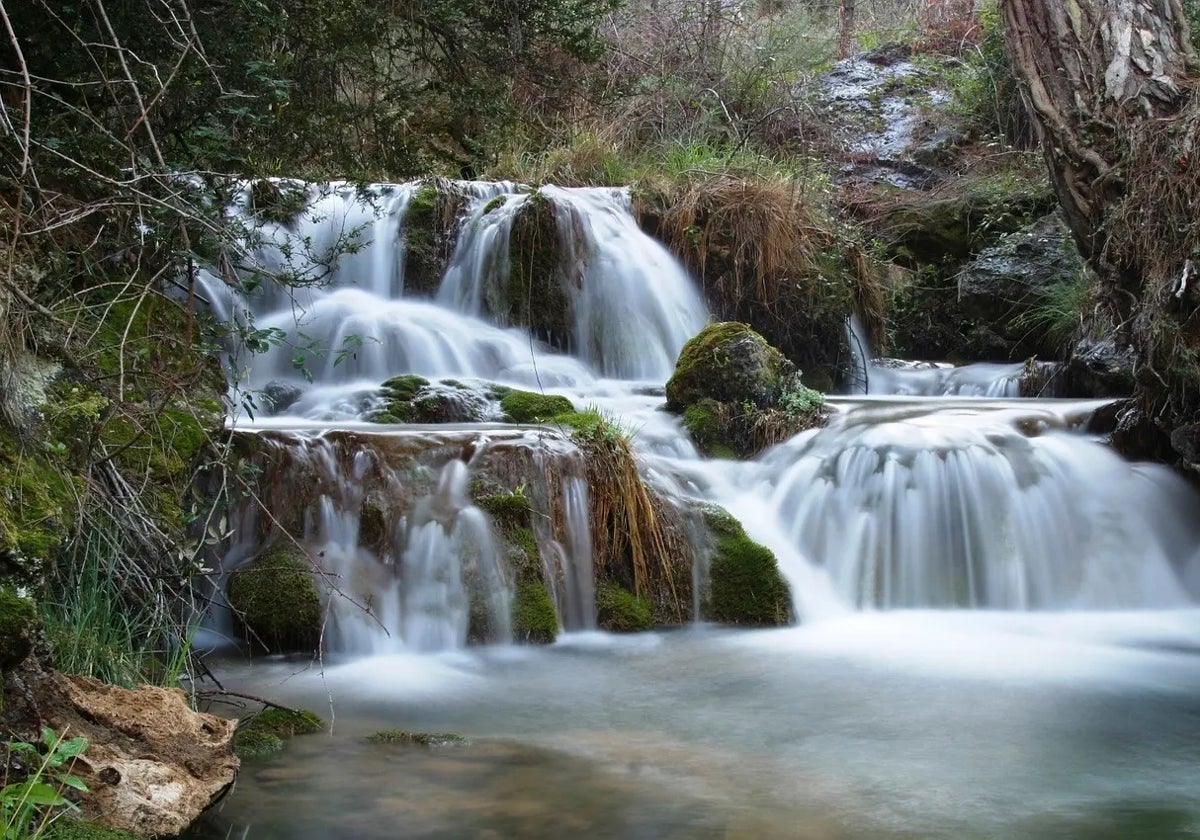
{"type": "Point", "coordinates": [1002, 504]}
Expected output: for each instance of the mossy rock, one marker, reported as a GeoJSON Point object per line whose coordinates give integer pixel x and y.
{"type": "Point", "coordinates": [728, 362]}
{"type": "Point", "coordinates": [534, 619]}
{"type": "Point", "coordinates": [253, 743]}
{"type": "Point", "coordinates": [705, 421]}
{"type": "Point", "coordinates": [273, 201]}
{"type": "Point", "coordinates": [536, 294]}
{"type": "Point", "coordinates": [429, 740]}
{"type": "Point", "coordinates": [422, 260]}
{"type": "Point", "coordinates": [69, 828]}
{"type": "Point", "coordinates": [275, 600]}
{"type": "Point", "coordinates": [285, 723]}
{"type": "Point", "coordinates": [531, 407]}
{"type": "Point", "coordinates": [19, 625]}
{"type": "Point", "coordinates": [372, 525]}
{"type": "Point", "coordinates": [745, 585]}
{"type": "Point", "coordinates": [620, 611]}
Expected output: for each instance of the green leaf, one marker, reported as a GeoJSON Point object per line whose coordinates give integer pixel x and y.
{"type": "Point", "coordinates": [73, 782]}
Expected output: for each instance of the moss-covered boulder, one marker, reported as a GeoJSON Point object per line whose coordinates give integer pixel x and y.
{"type": "Point", "coordinates": [728, 362]}
{"type": "Point", "coordinates": [18, 627]}
{"type": "Point", "coordinates": [253, 743]}
{"type": "Point", "coordinates": [430, 226]}
{"type": "Point", "coordinates": [276, 602]}
{"type": "Point", "coordinates": [287, 722]}
{"type": "Point", "coordinates": [536, 295]}
{"type": "Point", "coordinates": [620, 611]}
{"type": "Point", "coordinates": [531, 407]}
{"type": "Point", "coordinates": [745, 585]}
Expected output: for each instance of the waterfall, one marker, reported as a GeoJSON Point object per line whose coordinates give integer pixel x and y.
{"type": "Point", "coordinates": [944, 492]}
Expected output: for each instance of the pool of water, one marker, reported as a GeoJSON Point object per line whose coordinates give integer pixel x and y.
{"type": "Point", "coordinates": [910, 724]}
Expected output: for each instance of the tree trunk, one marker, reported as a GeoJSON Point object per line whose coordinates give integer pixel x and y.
{"type": "Point", "coordinates": [1113, 85]}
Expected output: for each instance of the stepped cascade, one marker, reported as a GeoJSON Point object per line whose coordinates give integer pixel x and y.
{"type": "Point", "coordinates": [938, 489]}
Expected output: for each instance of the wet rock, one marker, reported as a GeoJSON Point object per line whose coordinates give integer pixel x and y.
{"type": "Point", "coordinates": [1100, 368]}
{"type": "Point", "coordinates": [1003, 286]}
{"type": "Point", "coordinates": [620, 611]}
{"type": "Point", "coordinates": [278, 396]}
{"type": "Point", "coordinates": [877, 102]}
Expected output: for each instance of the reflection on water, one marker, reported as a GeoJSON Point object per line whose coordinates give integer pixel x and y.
{"type": "Point", "coordinates": [900, 725]}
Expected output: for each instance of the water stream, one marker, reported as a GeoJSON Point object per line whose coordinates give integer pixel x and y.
{"type": "Point", "coordinates": [997, 626]}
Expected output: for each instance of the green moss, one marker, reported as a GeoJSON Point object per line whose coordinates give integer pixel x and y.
{"type": "Point", "coordinates": [372, 526]}
{"type": "Point", "coordinates": [727, 362]}
{"type": "Point", "coordinates": [286, 723]}
{"type": "Point", "coordinates": [275, 599]}
{"type": "Point", "coordinates": [18, 627]}
{"type": "Point", "coordinates": [404, 387]}
{"type": "Point", "coordinates": [745, 585]}
{"type": "Point", "coordinates": [620, 611]}
{"type": "Point", "coordinates": [69, 828]}
{"type": "Point", "coordinates": [423, 260]}
{"type": "Point", "coordinates": [37, 509]}
{"type": "Point", "coordinates": [399, 393]}
{"type": "Point", "coordinates": [704, 422]}
{"type": "Point", "coordinates": [495, 204]}
{"type": "Point", "coordinates": [530, 407]}
{"type": "Point", "coordinates": [252, 743]}
{"type": "Point", "coordinates": [418, 739]}
{"type": "Point", "coordinates": [534, 619]}
{"type": "Point", "coordinates": [511, 508]}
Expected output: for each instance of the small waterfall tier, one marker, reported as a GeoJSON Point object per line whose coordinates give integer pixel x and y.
{"type": "Point", "coordinates": [556, 287]}
{"type": "Point", "coordinates": [409, 532]}
{"type": "Point", "coordinates": [995, 506]}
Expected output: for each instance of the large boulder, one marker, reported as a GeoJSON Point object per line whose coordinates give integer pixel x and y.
{"type": "Point", "coordinates": [728, 363]}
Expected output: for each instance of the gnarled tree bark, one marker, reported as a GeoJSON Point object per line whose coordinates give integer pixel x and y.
{"type": "Point", "coordinates": [1113, 85]}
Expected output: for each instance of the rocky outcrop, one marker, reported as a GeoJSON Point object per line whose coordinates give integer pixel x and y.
{"type": "Point", "coordinates": [1008, 291]}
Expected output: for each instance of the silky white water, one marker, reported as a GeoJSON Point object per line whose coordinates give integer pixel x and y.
{"type": "Point", "coordinates": [990, 602]}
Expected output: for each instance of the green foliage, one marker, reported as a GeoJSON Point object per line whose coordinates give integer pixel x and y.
{"type": "Point", "coordinates": [97, 629]}
{"type": "Point", "coordinates": [27, 807]}
{"type": "Point", "coordinates": [595, 426]}
{"type": "Point", "coordinates": [531, 407]}
{"type": "Point", "coordinates": [430, 740]}
{"type": "Point", "coordinates": [275, 600]}
{"type": "Point", "coordinates": [745, 585]}
{"type": "Point", "coordinates": [798, 399]}
{"type": "Point", "coordinates": [1060, 310]}
{"type": "Point", "coordinates": [620, 611]}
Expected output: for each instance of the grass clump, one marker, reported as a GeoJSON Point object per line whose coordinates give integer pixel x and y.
{"type": "Point", "coordinates": [429, 740]}
{"type": "Point", "coordinates": [620, 611]}
{"type": "Point", "coordinates": [275, 600]}
{"type": "Point", "coordinates": [745, 585]}
{"type": "Point", "coordinates": [531, 407]}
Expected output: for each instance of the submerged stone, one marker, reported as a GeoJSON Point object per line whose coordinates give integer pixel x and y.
{"type": "Point", "coordinates": [429, 740]}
